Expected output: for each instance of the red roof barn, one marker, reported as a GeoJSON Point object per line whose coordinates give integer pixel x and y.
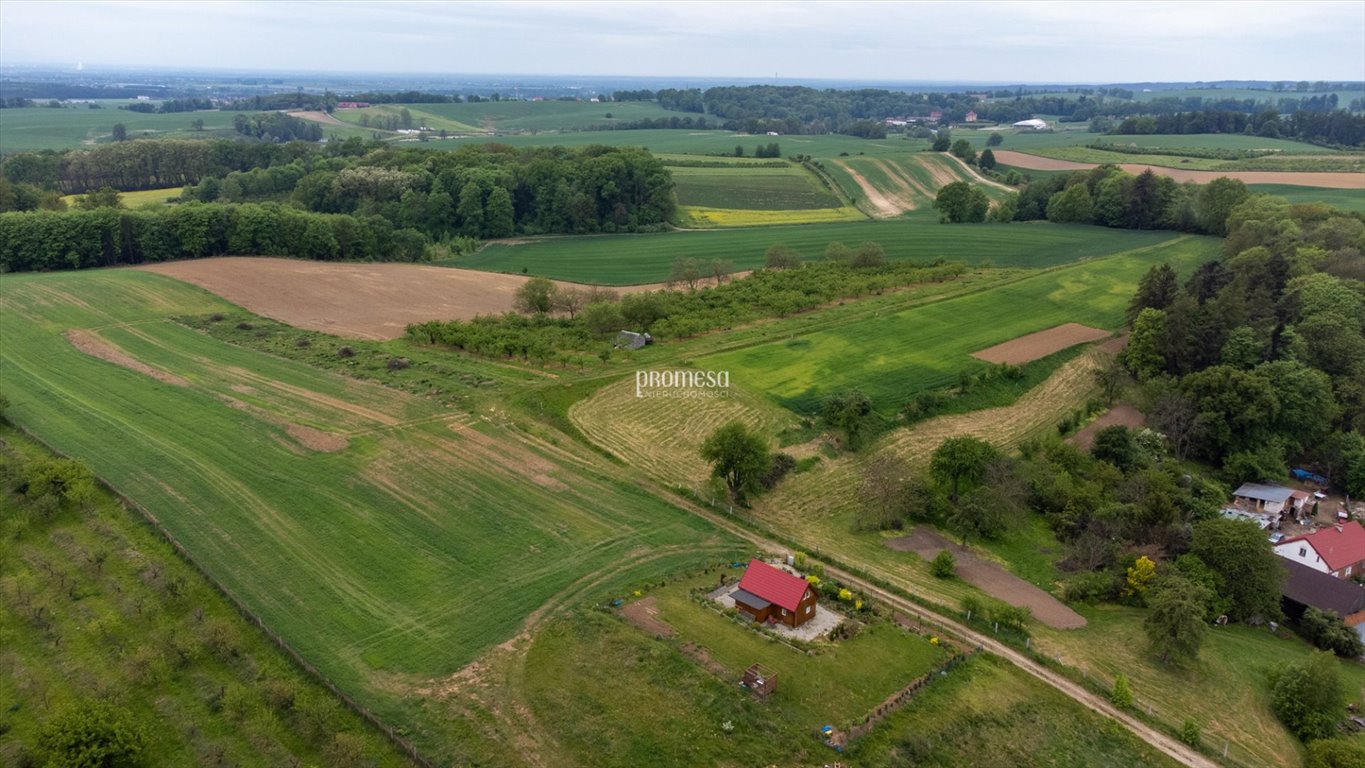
{"type": "Point", "coordinates": [766, 593]}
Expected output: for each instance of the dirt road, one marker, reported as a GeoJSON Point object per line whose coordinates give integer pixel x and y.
{"type": "Point", "coordinates": [1169, 746]}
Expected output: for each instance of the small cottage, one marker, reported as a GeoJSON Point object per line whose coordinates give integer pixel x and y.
{"type": "Point", "coordinates": [632, 340]}
{"type": "Point", "coordinates": [767, 593]}
{"type": "Point", "coordinates": [1271, 499]}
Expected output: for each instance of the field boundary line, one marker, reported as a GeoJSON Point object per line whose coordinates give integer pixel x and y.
{"type": "Point", "coordinates": [405, 746]}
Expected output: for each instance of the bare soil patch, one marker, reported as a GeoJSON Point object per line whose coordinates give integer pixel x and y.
{"type": "Point", "coordinates": [308, 437]}
{"type": "Point", "coordinates": [1040, 344]}
{"type": "Point", "coordinates": [1321, 180]}
{"type": "Point", "coordinates": [645, 615]}
{"type": "Point", "coordinates": [94, 346]}
{"type": "Point", "coordinates": [938, 172]}
{"type": "Point", "coordinates": [362, 301]}
{"type": "Point", "coordinates": [991, 578]}
{"type": "Point", "coordinates": [1119, 415]}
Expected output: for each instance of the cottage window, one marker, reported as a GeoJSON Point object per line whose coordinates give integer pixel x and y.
{"type": "Point", "coordinates": [1348, 570]}
{"type": "Point", "coordinates": [810, 610]}
{"type": "Point", "coordinates": [1303, 552]}
{"type": "Point", "coordinates": [784, 611]}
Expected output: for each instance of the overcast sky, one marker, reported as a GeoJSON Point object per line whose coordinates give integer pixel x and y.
{"type": "Point", "coordinates": [1005, 42]}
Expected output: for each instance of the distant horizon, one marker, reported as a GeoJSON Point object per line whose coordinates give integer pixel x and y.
{"type": "Point", "coordinates": [1041, 42]}
{"type": "Point", "coordinates": [100, 69]}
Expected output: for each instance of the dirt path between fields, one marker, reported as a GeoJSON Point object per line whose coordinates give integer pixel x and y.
{"type": "Point", "coordinates": [991, 578]}
{"type": "Point", "coordinates": [884, 206]}
{"type": "Point", "coordinates": [360, 301]}
{"type": "Point", "coordinates": [1040, 344]}
{"type": "Point", "coordinates": [1321, 180]}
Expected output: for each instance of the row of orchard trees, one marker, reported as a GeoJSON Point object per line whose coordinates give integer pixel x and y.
{"type": "Point", "coordinates": [47, 240]}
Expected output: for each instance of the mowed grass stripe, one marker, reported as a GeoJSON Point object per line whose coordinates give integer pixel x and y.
{"type": "Point", "coordinates": [635, 259]}
{"type": "Point", "coordinates": [393, 562]}
{"type": "Point", "coordinates": [891, 358]}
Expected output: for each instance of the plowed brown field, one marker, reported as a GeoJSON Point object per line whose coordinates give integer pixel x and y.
{"type": "Point", "coordinates": [1320, 180]}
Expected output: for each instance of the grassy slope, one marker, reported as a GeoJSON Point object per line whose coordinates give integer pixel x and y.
{"type": "Point", "coordinates": [1225, 691]}
{"type": "Point", "coordinates": [892, 357]}
{"type": "Point", "coordinates": [137, 608]}
{"type": "Point", "coordinates": [987, 713]}
{"type": "Point", "coordinates": [533, 116]}
{"type": "Point", "coordinates": [139, 198]}
{"type": "Point", "coordinates": [368, 560]}
{"type": "Point", "coordinates": [630, 259]}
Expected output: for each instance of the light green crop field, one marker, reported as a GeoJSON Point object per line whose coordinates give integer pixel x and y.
{"type": "Point", "coordinates": [420, 117]}
{"type": "Point", "coordinates": [1078, 136]}
{"type": "Point", "coordinates": [1345, 199]}
{"type": "Point", "coordinates": [891, 358]}
{"type": "Point", "coordinates": [389, 539]}
{"type": "Point", "coordinates": [636, 259]}
{"type": "Point", "coordinates": [138, 198]}
{"type": "Point", "coordinates": [682, 142]}
{"type": "Point", "coordinates": [1288, 163]}
{"type": "Point", "coordinates": [37, 128]}
{"type": "Point", "coordinates": [1344, 97]}
{"type": "Point", "coordinates": [767, 189]}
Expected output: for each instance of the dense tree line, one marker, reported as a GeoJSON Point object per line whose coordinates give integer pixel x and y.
{"type": "Point", "coordinates": [1111, 197]}
{"type": "Point", "coordinates": [170, 106]}
{"type": "Point", "coordinates": [655, 123]}
{"type": "Point", "coordinates": [563, 324]}
{"type": "Point", "coordinates": [160, 163]}
{"type": "Point", "coordinates": [1258, 360]}
{"type": "Point", "coordinates": [1335, 127]}
{"type": "Point", "coordinates": [277, 127]}
{"type": "Point", "coordinates": [477, 191]}
{"type": "Point", "coordinates": [104, 237]}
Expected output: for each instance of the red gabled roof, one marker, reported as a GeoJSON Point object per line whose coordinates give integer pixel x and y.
{"type": "Point", "coordinates": [774, 585]}
{"type": "Point", "coordinates": [1337, 548]}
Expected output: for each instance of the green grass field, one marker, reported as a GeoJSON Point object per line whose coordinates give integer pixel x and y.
{"type": "Point", "coordinates": [420, 117]}
{"type": "Point", "coordinates": [1345, 199]}
{"type": "Point", "coordinates": [769, 189]}
{"type": "Point", "coordinates": [1308, 163]}
{"type": "Point", "coordinates": [99, 605]}
{"type": "Point", "coordinates": [392, 563]}
{"type": "Point", "coordinates": [138, 198]}
{"type": "Point", "coordinates": [1225, 691]}
{"type": "Point", "coordinates": [634, 259]}
{"type": "Point", "coordinates": [537, 116]}
{"type": "Point", "coordinates": [987, 713]}
{"type": "Point", "coordinates": [681, 142]}
{"type": "Point", "coordinates": [892, 357]}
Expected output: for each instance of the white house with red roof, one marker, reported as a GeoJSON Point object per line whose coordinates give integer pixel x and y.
{"type": "Point", "coordinates": [1339, 550]}
{"type": "Point", "coordinates": [767, 593]}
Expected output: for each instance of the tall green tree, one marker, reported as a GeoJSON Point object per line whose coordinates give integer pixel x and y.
{"type": "Point", "coordinates": [120, 132]}
{"type": "Point", "coordinates": [470, 210]}
{"type": "Point", "coordinates": [737, 456]}
{"type": "Point", "coordinates": [961, 202]}
{"type": "Point", "coordinates": [499, 218]}
{"type": "Point", "coordinates": [1157, 289]}
{"type": "Point", "coordinates": [1308, 697]}
{"type": "Point", "coordinates": [1143, 355]}
{"type": "Point", "coordinates": [1216, 201]}
{"type": "Point", "coordinates": [961, 461]}
{"type": "Point", "coordinates": [1251, 571]}
{"type": "Point", "coordinates": [535, 296]}
{"type": "Point", "coordinates": [1175, 623]}
{"type": "Point", "coordinates": [849, 411]}
{"type": "Point", "coordinates": [1071, 206]}
{"type": "Point", "coordinates": [93, 734]}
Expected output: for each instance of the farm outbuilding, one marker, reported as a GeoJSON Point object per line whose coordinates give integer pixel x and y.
{"type": "Point", "coordinates": [1271, 499]}
{"type": "Point", "coordinates": [1031, 125]}
{"type": "Point", "coordinates": [767, 593]}
{"type": "Point", "coordinates": [1306, 587]}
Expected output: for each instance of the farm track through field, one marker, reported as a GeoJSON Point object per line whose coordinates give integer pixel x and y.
{"type": "Point", "coordinates": [883, 205]}
{"type": "Point", "coordinates": [1326, 180]}
{"type": "Point", "coordinates": [973, 173]}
